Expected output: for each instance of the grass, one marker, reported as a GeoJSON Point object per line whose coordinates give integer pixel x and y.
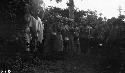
{"type": "Point", "coordinates": [18, 64]}
{"type": "Point", "coordinates": [36, 64]}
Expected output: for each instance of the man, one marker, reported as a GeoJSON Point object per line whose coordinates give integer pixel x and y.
{"type": "Point", "coordinates": [40, 30]}
{"type": "Point", "coordinates": [37, 28]}
{"type": "Point", "coordinates": [28, 37]}
{"type": "Point", "coordinates": [35, 25]}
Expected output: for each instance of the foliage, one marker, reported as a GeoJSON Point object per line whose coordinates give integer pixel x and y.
{"type": "Point", "coordinates": [122, 17]}
{"type": "Point", "coordinates": [82, 18]}
{"type": "Point", "coordinates": [13, 13]}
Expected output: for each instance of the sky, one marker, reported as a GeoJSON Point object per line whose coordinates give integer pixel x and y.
{"type": "Point", "coordinates": [109, 8]}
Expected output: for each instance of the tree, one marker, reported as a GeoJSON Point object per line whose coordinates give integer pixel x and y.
{"type": "Point", "coordinates": [122, 17]}
{"type": "Point", "coordinates": [13, 12]}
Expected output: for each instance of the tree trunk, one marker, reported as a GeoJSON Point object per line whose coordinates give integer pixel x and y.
{"type": "Point", "coordinates": [71, 16]}
{"type": "Point", "coordinates": [71, 9]}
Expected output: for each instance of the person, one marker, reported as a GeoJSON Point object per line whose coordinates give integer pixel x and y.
{"type": "Point", "coordinates": [40, 30]}
{"type": "Point", "coordinates": [34, 23]}
{"type": "Point", "coordinates": [28, 37]}
{"type": "Point", "coordinates": [59, 42]}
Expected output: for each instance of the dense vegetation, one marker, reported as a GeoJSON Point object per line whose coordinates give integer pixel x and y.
{"type": "Point", "coordinates": [105, 36]}
{"type": "Point", "coordinates": [87, 23]}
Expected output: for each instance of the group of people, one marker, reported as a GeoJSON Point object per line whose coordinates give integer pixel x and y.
{"type": "Point", "coordinates": [57, 38]}
{"type": "Point", "coordinates": [55, 41]}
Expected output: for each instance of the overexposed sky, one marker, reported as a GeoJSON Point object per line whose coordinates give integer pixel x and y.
{"type": "Point", "coordinates": [107, 7]}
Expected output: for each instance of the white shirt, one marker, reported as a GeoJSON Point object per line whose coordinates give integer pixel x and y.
{"type": "Point", "coordinates": [40, 30]}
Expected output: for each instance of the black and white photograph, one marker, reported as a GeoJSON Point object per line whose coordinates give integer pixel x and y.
{"type": "Point", "coordinates": [62, 36]}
